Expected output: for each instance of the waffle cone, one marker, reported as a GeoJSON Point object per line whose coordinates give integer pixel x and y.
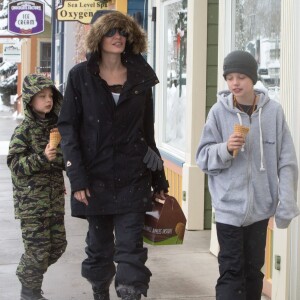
{"type": "Point", "coordinates": [242, 130]}
{"type": "Point", "coordinates": [55, 137]}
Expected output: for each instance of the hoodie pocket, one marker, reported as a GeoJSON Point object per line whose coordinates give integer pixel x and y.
{"type": "Point", "coordinates": [33, 198]}
{"type": "Point", "coordinates": [235, 194]}
{"type": "Point", "coordinates": [262, 199]}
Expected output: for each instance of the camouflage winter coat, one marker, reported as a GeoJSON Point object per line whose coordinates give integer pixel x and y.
{"type": "Point", "coordinates": [38, 185]}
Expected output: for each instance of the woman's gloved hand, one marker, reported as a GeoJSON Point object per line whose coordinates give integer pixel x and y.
{"type": "Point", "coordinates": [152, 160]}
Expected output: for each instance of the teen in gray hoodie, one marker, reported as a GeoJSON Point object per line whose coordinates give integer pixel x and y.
{"type": "Point", "coordinates": [249, 188]}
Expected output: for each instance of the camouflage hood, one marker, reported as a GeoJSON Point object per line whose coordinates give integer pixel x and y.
{"type": "Point", "coordinates": [33, 84]}
{"type": "Point", "coordinates": [136, 40]}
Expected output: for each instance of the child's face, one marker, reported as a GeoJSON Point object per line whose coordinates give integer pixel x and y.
{"type": "Point", "coordinates": [240, 85]}
{"type": "Point", "coordinates": [42, 102]}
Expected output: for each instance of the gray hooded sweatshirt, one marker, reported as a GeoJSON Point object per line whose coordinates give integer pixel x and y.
{"type": "Point", "coordinates": [261, 181]}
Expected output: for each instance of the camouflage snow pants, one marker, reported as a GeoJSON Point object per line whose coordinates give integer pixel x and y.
{"type": "Point", "coordinates": [44, 242]}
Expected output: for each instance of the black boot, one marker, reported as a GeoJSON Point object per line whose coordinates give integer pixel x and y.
{"type": "Point", "coordinates": [128, 293]}
{"type": "Point", "coordinates": [131, 297]}
{"type": "Point", "coordinates": [100, 289]}
{"type": "Point", "coordinates": [31, 294]}
{"type": "Point", "coordinates": [101, 295]}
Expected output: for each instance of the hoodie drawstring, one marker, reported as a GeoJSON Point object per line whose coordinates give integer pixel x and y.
{"type": "Point", "coordinates": [241, 123]}
{"type": "Point", "coordinates": [262, 168]}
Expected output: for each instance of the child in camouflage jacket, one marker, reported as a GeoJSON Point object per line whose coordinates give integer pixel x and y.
{"type": "Point", "coordinates": [38, 184]}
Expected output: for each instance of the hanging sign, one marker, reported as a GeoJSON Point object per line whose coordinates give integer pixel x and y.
{"type": "Point", "coordinates": [12, 53]}
{"type": "Point", "coordinates": [82, 10]}
{"type": "Point", "coordinates": [26, 17]}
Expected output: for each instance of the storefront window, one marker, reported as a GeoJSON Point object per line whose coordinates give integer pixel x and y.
{"type": "Point", "coordinates": [45, 57]}
{"type": "Point", "coordinates": [257, 30]}
{"type": "Point", "coordinates": [175, 44]}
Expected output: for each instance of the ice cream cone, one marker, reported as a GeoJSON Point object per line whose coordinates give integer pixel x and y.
{"type": "Point", "coordinates": [55, 137]}
{"type": "Point", "coordinates": [242, 130]}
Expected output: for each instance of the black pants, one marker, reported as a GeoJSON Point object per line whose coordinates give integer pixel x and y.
{"type": "Point", "coordinates": [241, 257]}
{"type": "Point", "coordinates": [116, 238]}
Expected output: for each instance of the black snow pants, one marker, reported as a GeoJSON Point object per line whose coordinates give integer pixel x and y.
{"type": "Point", "coordinates": [116, 239]}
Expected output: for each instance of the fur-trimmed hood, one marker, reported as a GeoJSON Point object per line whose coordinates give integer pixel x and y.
{"type": "Point", "coordinates": [136, 40]}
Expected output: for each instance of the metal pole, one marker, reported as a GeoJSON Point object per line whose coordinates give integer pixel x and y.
{"type": "Point", "coordinates": [53, 34]}
{"type": "Point", "coordinates": [61, 64]}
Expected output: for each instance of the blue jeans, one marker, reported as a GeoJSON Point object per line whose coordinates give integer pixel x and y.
{"type": "Point", "coordinates": [241, 257]}
{"type": "Point", "coordinates": [116, 239]}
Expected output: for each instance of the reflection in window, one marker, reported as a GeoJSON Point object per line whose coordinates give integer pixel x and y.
{"type": "Point", "coordinates": [257, 30]}
{"type": "Point", "coordinates": [45, 58]}
{"type": "Point", "coordinates": [175, 34]}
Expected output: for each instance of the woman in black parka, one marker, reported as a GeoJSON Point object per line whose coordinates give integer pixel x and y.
{"type": "Point", "coordinates": [114, 166]}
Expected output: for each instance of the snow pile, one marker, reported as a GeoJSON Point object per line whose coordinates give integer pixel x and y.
{"type": "Point", "coordinates": [9, 81]}
{"type": "Point", "coordinates": [18, 116]}
{"type": "Point", "coordinates": [3, 107]}
{"type": "Point", "coordinates": [7, 66]}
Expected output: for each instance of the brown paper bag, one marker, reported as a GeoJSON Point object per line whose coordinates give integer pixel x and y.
{"type": "Point", "coordinates": [165, 224]}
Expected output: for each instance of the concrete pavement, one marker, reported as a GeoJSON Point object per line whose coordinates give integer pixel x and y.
{"type": "Point", "coordinates": [182, 272]}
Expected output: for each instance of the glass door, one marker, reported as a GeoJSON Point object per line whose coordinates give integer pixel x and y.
{"type": "Point", "coordinates": [174, 76]}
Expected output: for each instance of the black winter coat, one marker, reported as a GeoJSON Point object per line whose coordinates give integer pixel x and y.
{"type": "Point", "coordinates": [104, 144]}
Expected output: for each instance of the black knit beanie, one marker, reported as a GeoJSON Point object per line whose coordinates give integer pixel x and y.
{"type": "Point", "coordinates": [240, 62]}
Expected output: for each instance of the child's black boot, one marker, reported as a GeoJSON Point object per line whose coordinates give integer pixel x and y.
{"type": "Point", "coordinates": [31, 294]}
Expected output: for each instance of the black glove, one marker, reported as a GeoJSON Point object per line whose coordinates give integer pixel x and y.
{"type": "Point", "coordinates": [152, 160]}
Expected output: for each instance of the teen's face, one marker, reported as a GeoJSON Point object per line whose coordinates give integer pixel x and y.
{"type": "Point", "coordinates": [42, 102]}
{"type": "Point", "coordinates": [239, 84]}
{"type": "Point", "coordinates": [114, 41]}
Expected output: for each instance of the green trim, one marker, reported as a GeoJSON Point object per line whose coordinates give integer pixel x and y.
{"type": "Point", "coordinates": [211, 84]}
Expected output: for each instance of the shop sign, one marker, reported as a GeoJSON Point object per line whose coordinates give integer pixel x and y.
{"type": "Point", "coordinates": [6, 40]}
{"type": "Point", "coordinates": [12, 53]}
{"type": "Point", "coordinates": [82, 10]}
{"type": "Point", "coordinates": [26, 17]}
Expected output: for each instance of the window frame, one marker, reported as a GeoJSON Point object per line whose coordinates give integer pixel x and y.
{"type": "Point", "coordinates": [161, 105]}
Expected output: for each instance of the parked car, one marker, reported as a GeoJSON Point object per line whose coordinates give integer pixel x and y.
{"type": "Point", "coordinates": [265, 78]}
{"type": "Point", "coordinates": [172, 78]}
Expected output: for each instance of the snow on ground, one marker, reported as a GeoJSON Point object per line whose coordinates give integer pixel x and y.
{"type": "Point", "coordinates": [4, 107]}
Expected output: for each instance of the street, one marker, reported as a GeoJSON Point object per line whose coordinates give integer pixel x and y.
{"type": "Point", "coordinates": [180, 272]}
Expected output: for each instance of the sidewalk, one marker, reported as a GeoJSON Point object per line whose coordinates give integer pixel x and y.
{"type": "Point", "coordinates": [182, 272]}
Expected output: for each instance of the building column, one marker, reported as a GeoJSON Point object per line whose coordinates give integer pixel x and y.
{"type": "Point", "coordinates": [224, 47]}
{"type": "Point", "coordinates": [193, 178]}
{"type": "Point", "coordinates": [286, 282]}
